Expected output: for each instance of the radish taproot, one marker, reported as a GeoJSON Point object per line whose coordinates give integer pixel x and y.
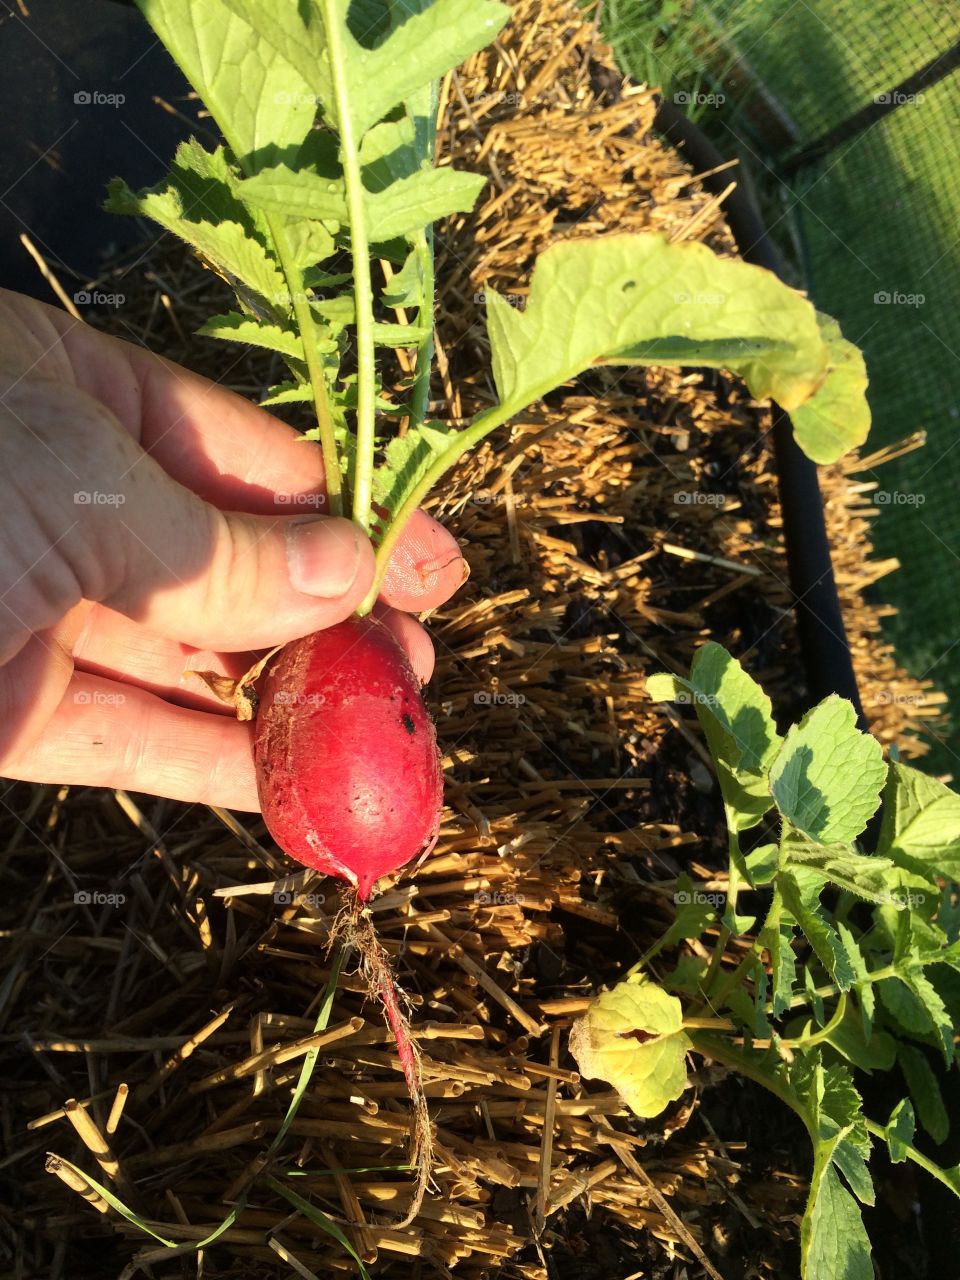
{"type": "Point", "coordinates": [351, 785]}
{"type": "Point", "coordinates": [348, 770]}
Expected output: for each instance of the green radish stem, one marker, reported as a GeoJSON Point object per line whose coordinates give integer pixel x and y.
{"type": "Point", "coordinates": [481, 427]}
{"type": "Point", "coordinates": [362, 286]}
{"type": "Point", "coordinates": [423, 246]}
{"type": "Point", "coordinates": [318, 379]}
{"type": "Point", "coordinates": [420, 397]}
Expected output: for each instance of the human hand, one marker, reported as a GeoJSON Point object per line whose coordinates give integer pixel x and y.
{"type": "Point", "coordinates": [151, 522]}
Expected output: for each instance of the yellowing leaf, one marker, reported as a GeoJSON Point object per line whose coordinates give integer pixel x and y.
{"type": "Point", "coordinates": [633, 1038]}
{"type": "Point", "coordinates": [640, 299]}
{"type": "Point", "coordinates": [837, 415]}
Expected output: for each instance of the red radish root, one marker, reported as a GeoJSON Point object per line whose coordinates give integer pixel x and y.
{"type": "Point", "coordinates": [351, 785]}
{"type": "Point", "coordinates": [353, 927]}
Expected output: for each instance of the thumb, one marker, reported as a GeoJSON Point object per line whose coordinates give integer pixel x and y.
{"type": "Point", "coordinates": [227, 581]}
{"type": "Point", "coordinates": [105, 522]}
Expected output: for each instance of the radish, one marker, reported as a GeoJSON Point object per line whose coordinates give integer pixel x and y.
{"type": "Point", "coordinates": [351, 784]}
{"type": "Point", "coordinates": [348, 770]}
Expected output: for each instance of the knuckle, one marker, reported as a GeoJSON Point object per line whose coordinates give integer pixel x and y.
{"type": "Point", "coordinates": [61, 463]}
{"type": "Point", "coordinates": [40, 597]}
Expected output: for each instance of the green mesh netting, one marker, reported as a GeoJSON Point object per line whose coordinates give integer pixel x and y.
{"type": "Point", "coordinates": [873, 229]}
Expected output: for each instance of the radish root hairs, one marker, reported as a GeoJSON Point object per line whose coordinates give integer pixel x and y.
{"type": "Point", "coordinates": [353, 927]}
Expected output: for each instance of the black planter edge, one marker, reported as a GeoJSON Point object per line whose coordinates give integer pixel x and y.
{"type": "Point", "coordinates": [823, 639]}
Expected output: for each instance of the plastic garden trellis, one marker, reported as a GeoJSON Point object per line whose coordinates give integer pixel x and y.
{"type": "Point", "coordinates": [844, 113]}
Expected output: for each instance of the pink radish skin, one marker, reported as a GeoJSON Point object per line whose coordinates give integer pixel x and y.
{"type": "Point", "coordinates": [348, 771]}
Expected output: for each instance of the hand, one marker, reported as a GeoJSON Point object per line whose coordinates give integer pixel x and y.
{"type": "Point", "coordinates": [150, 522]}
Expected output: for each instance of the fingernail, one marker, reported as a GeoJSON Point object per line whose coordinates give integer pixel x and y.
{"type": "Point", "coordinates": [323, 556]}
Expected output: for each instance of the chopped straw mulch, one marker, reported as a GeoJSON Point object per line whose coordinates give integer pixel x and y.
{"type": "Point", "coordinates": [154, 1042]}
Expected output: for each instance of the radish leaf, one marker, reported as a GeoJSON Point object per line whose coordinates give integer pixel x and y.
{"type": "Point", "coordinates": [225, 243]}
{"type": "Point", "coordinates": [837, 416]}
{"type": "Point", "coordinates": [639, 297]}
{"type": "Point", "coordinates": [406, 459]}
{"type": "Point", "coordinates": [236, 328]}
{"type": "Point", "coordinates": [736, 718]}
{"type": "Point", "coordinates": [405, 287]}
{"type": "Point", "coordinates": [863, 987]}
{"type": "Point", "coordinates": [864, 875]}
{"type": "Point", "coordinates": [288, 393]}
{"type": "Point", "coordinates": [412, 202]}
{"type": "Point", "coordinates": [261, 103]}
{"type": "Point", "coordinates": [833, 1240]}
{"type": "Point", "coordinates": [398, 335]}
{"type": "Point", "coordinates": [930, 1008]}
{"type": "Point", "coordinates": [301, 193]}
{"type": "Point", "coordinates": [801, 897]}
{"type": "Point", "coordinates": [924, 1091]}
{"type": "Point", "coordinates": [422, 48]}
{"type": "Point", "coordinates": [899, 1130]}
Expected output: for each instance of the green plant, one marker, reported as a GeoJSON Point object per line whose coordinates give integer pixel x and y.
{"type": "Point", "coordinates": [328, 112]}
{"type": "Point", "coordinates": [852, 963]}
{"type": "Point", "coordinates": [676, 46]}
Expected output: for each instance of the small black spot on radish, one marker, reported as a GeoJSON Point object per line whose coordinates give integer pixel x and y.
{"type": "Point", "coordinates": [408, 724]}
{"type": "Point", "coordinates": [628, 285]}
